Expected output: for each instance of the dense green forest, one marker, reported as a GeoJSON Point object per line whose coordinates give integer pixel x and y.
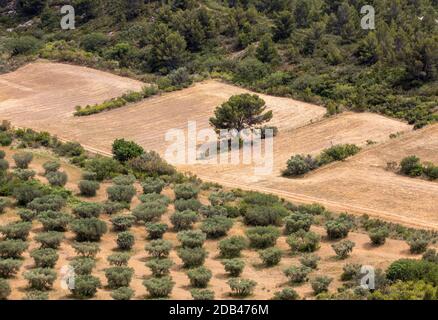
{"type": "Point", "coordinates": [313, 50]}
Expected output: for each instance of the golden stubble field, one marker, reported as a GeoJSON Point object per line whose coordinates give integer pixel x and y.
{"type": "Point", "coordinates": [43, 96]}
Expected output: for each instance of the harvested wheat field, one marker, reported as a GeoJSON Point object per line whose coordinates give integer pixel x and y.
{"type": "Point", "coordinates": [269, 280]}
{"type": "Point", "coordinates": [43, 95]}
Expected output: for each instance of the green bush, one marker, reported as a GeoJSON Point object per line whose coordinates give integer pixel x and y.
{"type": "Point", "coordinates": [5, 289]}
{"type": "Point", "coordinates": [122, 293]}
{"type": "Point", "coordinates": [25, 45]}
{"type": "Point", "coordinates": [260, 199]}
{"type": "Point", "coordinates": [411, 166]}
{"type": "Point", "coordinates": [89, 176]}
{"type": "Point", "coordinates": [126, 150]}
{"type": "Point", "coordinates": [152, 185]}
{"type": "Point", "coordinates": [119, 259]}
{"type": "Point", "coordinates": [418, 243]}
{"type": "Point", "coordinates": [337, 228]}
{"type": "Point", "coordinates": [192, 257]}
{"type": "Point", "coordinates": [159, 287]}
{"type": "Point", "coordinates": [69, 149]}
{"type": "Point", "coordinates": [88, 229]}
{"type": "Point", "coordinates": [2, 154]}
{"type": "Point", "coordinates": [27, 215]}
{"type": "Point", "coordinates": [111, 207]}
{"type": "Point", "coordinates": [211, 211]}
{"type": "Point", "coordinates": [202, 294]}
{"type": "Point", "coordinates": [343, 248]}
{"type": "Point", "coordinates": [4, 165]}
{"type": "Point", "coordinates": [57, 179]}
{"type": "Point", "coordinates": [189, 204]}
{"type": "Point", "coordinates": [16, 230]}
{"type": "Point", "coordinates": [299, 164]}
{"type": "Point", "coordinates": [5, 139]}
{"type": "Point", "coordinates": [88, 188]}
{"type": "Point", "coordinates": [24, 174]}
{"type": "Point", "coordinates": [199, 277]}
{"type": "Point", "coordinates": [159, 248]}
{"type": "Point", "coordinates": [27, 192]}
{"type": "Point", "coordinates": [186, 191]}
{"type": "Point", "coordinates": [154, 198]}
{"type": "Point", "coordinates": [103, 167]}
{"type": "Point", "coordinates": [430, 255]}
{"type": "Point", "coordinates": [216, 226]}
{"type": "Point", "coordinates": [149, 212]}
{"type": "Point", "coordinates": [191, 238]}
{"type": "Point", "coordinates": [49, 202]}
{"type": "Point", "coordinates": [9, 267]}
{"type": "Point", "coordinates": [297, 221]}
{"type": "Point", "coordinates": [119, 276]}
{"type": "Point", "coordinates": [50, 239]}
{"type": "Point", "coordinates": [320, 284]}
{"type": "Point", "coordinates": [264, 215]}
{"type": "Point", "coordinates": [122, 222]}
{"type": "Point", "coordinates": [124, 180]}
{"type": "Point", "coordinates": [159, 267]}
{"type": "Point", "coordinates": [85, 286]}
{"type": "Point", "coordinates": [234, 267]}
{"type": "Point", "coordinates": [297, 274]}
{"type": "Point", "coordinates": [125, 240]}
{"type": "Point", "coordinates": [262, 237]}
{"type": "Point", "coordinates": [12, 248]}
{"type": "Point", "coordinates": [36, 295]}
{"type": "Point", "coordinates": [220, 198]}
{"type": "Point", "coordinates": [241, 287]}
{"type": "Point", "coordinates": [156, 230]}
{"type": "Point", "coordinates": [338, 153]}
{"type": "Point", "coordinates": [183, 220]}
{"type": "Point", "coordinates": [51, 166]}
{"type": "Point", "coordinates": [121, 193]}
{"type": "Point", "coordinates": [430, 170]}
{"type": "Point", "coordinates": [22, 159]}
{"type": "Point", "coordinates": [54, 221]}
{"type": "Point", "coordinates": [378, 235]}
{"type": "Point", "coordinates": [83, 265]}
{"type": "Point", "coordinates": [232, 246]}
{"type": "Point", "coordinates": [40, 278]}
{"type": "Point", "coordinates": [87, 210]}
{"type": "Point", "coordinates": [310, 260]}
{"type": "Point", "coordinates": [351, 271]}
{"type": "Point", "coordinates": [151, 164]}
{"type": "Point", "coordinates": [412, 270]}
{"type": "Point", "coordinates": [286, 294]}
{"type": "Point", "coordinates": [86, 249]}
{"type": "Point", "coordinates": [45, 257]}
{"type": "Point", "coordinates": [270, 257]}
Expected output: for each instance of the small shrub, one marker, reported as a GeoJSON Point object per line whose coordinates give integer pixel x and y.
{"type": "Point", "coordinates": [241, 287]}
{"type": "Point", "coordinates": [320, 284]}
{"type": "Point", "coordinates": [152, 185]}
{"type": "Point", "coordinates": [5, 289]}
{"type": "Point", "coordinates": [12, 249]}
{"type": "Point", "coordinates": [46, 203]}
{"type": "Point", "coordinates": [300, 164]}
{"type": "Point", "coordinates": [36, 295]}
{"type": "Point", "coordinates": [430, 170]}
{"type": "Point", "coordinates": [270, 257]}
{"type": "Point", "coordinates": [159, 267]}
{"type": "Point", "coordinates": [411, 166]}
{"type": "Point", "coordinates": [297, 274]}
{"type": "Point", "coordinates": [4, 165]}
{"type": "Point", "coordinates": [88, 188]}
{"type": "Point", "coordinates": [430, 255]}
{"type": "Point", "coordinates": [9, 267]}
{"type": "Point", "coordinates": [88, 229]}
{"type": "Point", "coordinates": [119, 259]}
{"type": "Point", "coordinates": [186, 191]}
{"type": "Point", "coordinates": [187, 204]}
{"type": "Point", "coordinates": [57, 179]}
{"type": "Point", "coordinates": [234, 267]}
{"type": "Point", "coordinates": [338, 152]}
{"type": "Point", "coordinates": [297, 221]}
{"type": "Point", "coordinates": [183, 220]}
{"type": "Point", "coordinates": [149, 212]}
{"type": "Point", "coordinates": [27, 214]}
{"type": "Point", "coordinates": [124, 180]}
{"type": "Point", "coordinates": [159, 248]}
{"type": "Point", "coordinates": [220, 198]}
{"type": "Point", "coordinates": [418, 243]}
{"type": "Point", "coordinates": [89, 176]}
{"type": "Point", "coordinates": [111, 207]}
{"type": "Point", "coordinates": [54, 221]}
{"type": "Point", "coordinates": [87, 210]}
{"type": "Point", "coordinates": [154, 197]}
{"type": "Point", "coordinates": [22, 159]}
{"type": "Point", "coordinates": [202, 294]}
{"type": "Point", "coordinates": [119, 276]}
{"type": "Point", "coordinates": [211, 211]}
{"type": "Point", "coordinates": [51, 166]}
{"type": "Point", "coordinates": [350, 271]}
{"type": "Point", "coordinates": [122, 222]}
{"type": "Point", "coordinates": [216, 226]}
{"type": "Point", "coordinates": [337, 229]}
{"type": "Point", "coordinates": [50, 239]}
{"type": "Point", "coordinates": [264, 215]}
{"type": "Point", "coordinates": [40, 278]}
{"type": "Point", "coordinates": [156, 230]}
{"type": "Point", "coordinates": [24, 174]}
{"type": "Point", "coordinates": [262, 237]}
{"type": "Point", "coordinates": [45, 258]}
{"type": "Point", "coordinates": [232, 246]}
{"type": "Point", "coordinates": [122, 293]}
{"type": "Point", "coordinates": [286, 294]}
{"type": "Point", "coordinates": [85, 286]}
{"type": "Point", "coordinates": [83, 265]}
{"type": "Point", "coordinates": [191, 238]}
{"type": "Point", "coordinates": [121, 193]}
{"type": "Point", "coordinates": [199, 277]}
{"type": "Point", "coordinates": [159, 287]}
{"type": "Point", "coordinates": [192, 257]}
{"type": "Point", "coordinates": [86, 249]}
{"type": "Point", "coordinates": [125, 150]}
{"type": "Point", "coordinates": [343, 248]}
{"type": "Point", "coordinates": [310, 261]}
{"type": "Point", "coordinates": [125, 240]}
{"type": "Point", "coordinates": [378, 236]}
{"type": "Point", "coordinates": [5, 139]}
{"type": "Point", "coordinates": [16, 230]}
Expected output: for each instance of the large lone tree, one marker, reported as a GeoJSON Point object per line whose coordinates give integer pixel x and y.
{"type": "Point", "coordinates": [241, 112]}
